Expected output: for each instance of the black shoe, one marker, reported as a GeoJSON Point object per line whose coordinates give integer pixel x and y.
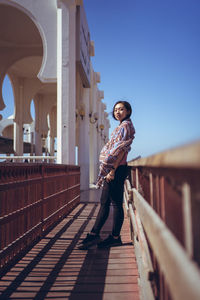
{"type": "Point", "coordinates": [91, 239]}
{"type": "Point", "coordinates": [110, 241]}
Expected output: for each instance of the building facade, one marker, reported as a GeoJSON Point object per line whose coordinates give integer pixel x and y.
{"type": "Point", "coordinates": [45, 49]}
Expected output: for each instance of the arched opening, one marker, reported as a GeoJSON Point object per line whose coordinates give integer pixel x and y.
{"type": "Point", "coordinates": [20, 38]}
{"type": "Point", "coordinates": [33, 110]}
{"type": "Point", "coordinates": [8, 98]}
{"type": "Point", "coordinates": [21, 56]}
{"type": "Point", "coordinates": [8, 131]}
{"type": "Point", "coordinates": [29, 131]}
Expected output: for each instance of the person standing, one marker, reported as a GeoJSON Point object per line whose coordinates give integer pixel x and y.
{"type": "Point", "coordinates": [112, 174]}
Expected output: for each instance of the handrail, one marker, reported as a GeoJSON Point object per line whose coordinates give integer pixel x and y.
{"type": "Point", "coordinates": [171, 256]}
{"type": "Point", "coordinates": [141, 246]}
{"type": "Point", "coordinates": [162, 199]}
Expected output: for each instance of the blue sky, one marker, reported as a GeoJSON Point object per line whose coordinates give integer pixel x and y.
{"type": "Point", "coordinates": [148, 53]}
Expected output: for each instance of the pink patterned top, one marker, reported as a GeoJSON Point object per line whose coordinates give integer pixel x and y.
{"type": "Point", "coordinates": [121, 140]}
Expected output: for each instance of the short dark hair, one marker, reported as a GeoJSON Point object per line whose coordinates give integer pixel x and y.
{"type": "Point", "coordinates": [126, 105]}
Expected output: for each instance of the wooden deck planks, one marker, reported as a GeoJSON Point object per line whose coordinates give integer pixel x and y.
{"type": "Point", "coordinates": [56, 269]}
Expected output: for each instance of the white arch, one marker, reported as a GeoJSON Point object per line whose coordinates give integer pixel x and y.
{"type": "Point", "coordinates": [5, 122]}
{"type": "Point", "coordinates": [44, 17]}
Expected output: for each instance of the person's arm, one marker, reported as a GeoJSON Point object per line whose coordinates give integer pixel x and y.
{"type": "Point", "coordinates": [111, 174]}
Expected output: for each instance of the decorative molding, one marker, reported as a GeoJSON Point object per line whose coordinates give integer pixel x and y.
{"type": "Point", "coordinates": [92, 52]}
{"type": "Point", "coordinates": [100, 95]}
{"type": "Point", "coordinates": [97, 77]}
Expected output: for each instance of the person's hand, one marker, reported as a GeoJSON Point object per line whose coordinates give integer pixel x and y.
{"type": "Point", "coordinates": [110, 176]}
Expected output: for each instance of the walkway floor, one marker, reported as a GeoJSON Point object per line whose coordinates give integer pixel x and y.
{"type": "Point", "coordinates": [56, 269]}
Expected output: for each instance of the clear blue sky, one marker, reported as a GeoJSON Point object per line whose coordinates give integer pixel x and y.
{"type": "Point", "coordinates": [148, 53]}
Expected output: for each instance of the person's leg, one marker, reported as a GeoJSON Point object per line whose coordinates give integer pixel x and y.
{"type": "Point", "coordinates": [116, 193]}
{"type": "Point", "coordinates": [118, 218]}
{"type": "Point", "coordinates": [93, 237]}
{"type": "Point", "coordinates": [104, 209]}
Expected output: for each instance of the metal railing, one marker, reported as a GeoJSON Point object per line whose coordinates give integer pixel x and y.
{"type": "Point", "coordinates": [162, 200]}
{"type": "Point", "coordinates": [33, 197]}
{"type": "Point", "coordinates": [28, 158]}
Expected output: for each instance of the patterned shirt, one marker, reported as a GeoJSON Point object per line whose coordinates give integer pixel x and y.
{"type": "Point", "coordinates": [121, 140]}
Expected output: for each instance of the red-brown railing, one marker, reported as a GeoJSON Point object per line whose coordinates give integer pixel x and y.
{"type": "Point", "coordinates": [163, 202]}
{"type": "Point", "coordinates": [33, 197]}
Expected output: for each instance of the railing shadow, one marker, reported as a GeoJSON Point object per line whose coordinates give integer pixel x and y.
{"type": "Point", "coordinates": [47, 285]}
{"type": "Point", "coordinates": [91, 280]}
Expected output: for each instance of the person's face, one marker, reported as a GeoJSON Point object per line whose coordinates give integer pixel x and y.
{"type": "Point", "coordinates": [120, 112]}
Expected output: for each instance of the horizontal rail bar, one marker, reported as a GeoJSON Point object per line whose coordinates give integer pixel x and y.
{"type": "Point", "coordinates": [10, 216]}
{"type": "Point", "coordinates": [142, 251]}
{"type": "Point", "coordinates": [19, 240]}
{"type": "Point", "coordinates": [27, 157]}
{"type": "Point", "coordinates": [182, 275]}
{"type": "Point", "coordinates": [60, 193]}
{"type": "Point", "coordinates": [60, 209]}
{"type": "Point", "coordinates": [138, 228]}
{"type": "Point", "coordinates": [18, 183]}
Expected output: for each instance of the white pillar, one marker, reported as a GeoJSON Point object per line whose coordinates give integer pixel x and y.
{"type": "Point", "coordinates": [41, 126]}
{"type": "Point", "coordinates": [18, 121]}
{"type": "Point", "coordinates": [93, 153]}
{"type": "Point", "coordinates": [66, 92]}
{"type": "Point", "coordinates": [18, 138]}
{"type": "Point", "coordinates": [100, 95]}
{"type": "Point", "coordinates": [94, 136]}
{"type": "Point", "coordinates": [38, 143]}
{"type": "Point", "coordinates": [32, 142]}
{"type": "Point", "coordinates": [51, 145]}
{"type": "Point", "coordinates": [84, 143]}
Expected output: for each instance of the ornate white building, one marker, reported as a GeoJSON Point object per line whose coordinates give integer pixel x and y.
{"type": "Point", "coordinates": [45, 49]}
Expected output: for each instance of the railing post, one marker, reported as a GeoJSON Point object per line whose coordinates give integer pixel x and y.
{"type": "Point", "coordinates": [187, 218]}
{"type": "Point", "coordinates": [137, 178]}
{"type": "Point", "coordinates": [42, 198]}
{"type": "Point", "coordinates": [195, 207]}
{"type": "Point", "coordinates": [162, 197]}
{"type": "Point", "coordinates": [151, 188]}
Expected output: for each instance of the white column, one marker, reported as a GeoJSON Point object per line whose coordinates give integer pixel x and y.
{"type": "Point", "coordinates": [100, 95]}
{"type": "Point", "coordinates": [95, 138]}
{"type": "Point", "coordinates": [32, 142]}
{"type": "Point", "coordinates": [41, 126]}
{"type": "Point", "coordinates": [18, 121]}
{"type": "Point", "coordinates": [66, 92]}
{"type": "Point", "coordinates": [18, 138]}
{"type": "Point", "coordinates": [93, 153]}
{"type": "Point", "coordinates": [38, 143]}
{"type": "Point", "coordinates": [52, 121]}
{"type": "Point", "coordinates": [51, 145]}
{"type": "Point", "coordinates": [84, 143]}
{"type": "Point", "coordinates": [93, 132]}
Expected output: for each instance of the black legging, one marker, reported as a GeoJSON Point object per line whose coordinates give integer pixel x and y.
{"type": "Point", "coordinates": [112, 192]}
